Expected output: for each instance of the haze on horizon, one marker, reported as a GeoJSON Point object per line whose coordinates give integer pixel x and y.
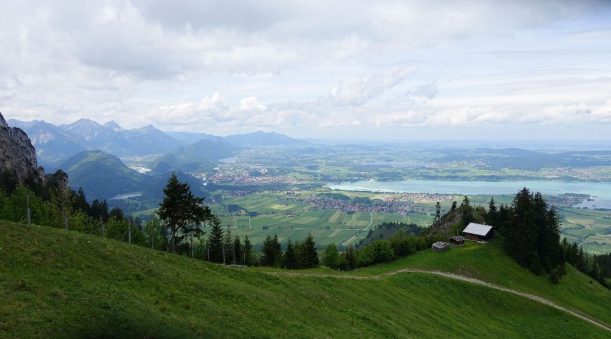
{"type": "Point", "coordinates": [336, 69]}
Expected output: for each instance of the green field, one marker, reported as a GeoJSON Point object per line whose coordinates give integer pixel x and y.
{"type": "Point", "coordinates": [66, 284]}
{"type": "Point", "coordinates": [288, 217]}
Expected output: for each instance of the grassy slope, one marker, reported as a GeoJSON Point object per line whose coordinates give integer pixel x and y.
{"type": "Point", "coordinates": [56, 283]}
{"type": "Point", "coordinates": [487, 262]}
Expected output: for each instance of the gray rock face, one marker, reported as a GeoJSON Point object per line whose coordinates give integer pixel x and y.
{"type": "Point", "coordinates": [3, 122]}
{"type": "Point", "coordinates": [17, 155]}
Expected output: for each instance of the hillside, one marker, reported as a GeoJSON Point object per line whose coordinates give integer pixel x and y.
{"type": "Point", "coordinates": [101, 175]}
{"type": "Point", "coordinates": [58, 283]}
{"type": "Point", "coordinates": [104, 176]}
{"type": "Point", "coordinates": [201, 155]}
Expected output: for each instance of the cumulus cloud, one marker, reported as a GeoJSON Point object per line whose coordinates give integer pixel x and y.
{"type": "Point", "coordinates": [357, 91]}
{"type": "Point", "coordinates": [221, 66]}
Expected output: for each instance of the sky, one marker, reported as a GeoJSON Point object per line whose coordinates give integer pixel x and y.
{"type": "Point", "coordinates": [371, 70]}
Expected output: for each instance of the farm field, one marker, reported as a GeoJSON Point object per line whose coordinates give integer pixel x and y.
{"type": "Point", "coordinates": [274, 213]}
{"type": "Point", "coordinates": [292, 216]}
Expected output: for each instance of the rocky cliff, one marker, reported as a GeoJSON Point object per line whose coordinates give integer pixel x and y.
{"type": "Point", "coordinates": [18, 156]}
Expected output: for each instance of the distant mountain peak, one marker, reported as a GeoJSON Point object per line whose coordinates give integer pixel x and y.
{"type": "Point", "coordinates": [113, 125]}
{"type": "Point", "coordinates": [84, 123]}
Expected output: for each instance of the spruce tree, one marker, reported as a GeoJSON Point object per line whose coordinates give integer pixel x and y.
{"type": "Point", "coordinates": [180, 210]}
{"type": "Point", "coordinates": [466, 210]}
{"type": "Point", "coordinates": [237, 251]}
{"type": "Point", "coordinates": [228, 254]}
{"type": "Point", "coordinates": [247, 249]}
{"type": "Point", "coordinates": [308, 253]}
{"type": "Point", "coordinates": [491, 216]}
{"type": "Point", "coordinates": [215, 242]}
{"type": "Point", "coordinates": [289, 259]}
{"type": "Point", "coordinates": [270, 251]}
{"type": "Point", "coordinates": [437, 213]}
{"type": "Point", "coordinates": [350, 257]}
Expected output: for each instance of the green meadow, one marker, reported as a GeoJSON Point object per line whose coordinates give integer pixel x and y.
{"type": "Point", "coordinates": [58, 283]}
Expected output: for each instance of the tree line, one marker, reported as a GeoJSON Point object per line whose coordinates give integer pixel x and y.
{"type": "Point", "coordinates": [529, 226]}
{"type": "Point", "coordinates": [55, 205]}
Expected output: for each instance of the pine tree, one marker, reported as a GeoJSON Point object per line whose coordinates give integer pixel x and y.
{"type": "Point", "coordinates": [247, 250]}
{"type": "Point", "coordinates": [437, 213]}
{"type": "Point", "coordinates": [350, 255]}
{"type": "Point", "coordinates": [521, 236]}
{"type": "Point", "coordinates": [237, 250]}
{"type": "Point", "coordinates": [308, 254]}
{"type": "Point", "coordinates": [215, 242]}
{"type": "Point", "coordinates": [271, 251]}
{"type": "Point", "coordinates": [466, 212]}
{"type": "Point", "coordinates": [180, 210]}
{"type": "Point", "coordinates": [491, 216]}
{"type": "Point", "coordinates": [289, 259]}
{"type": "Point", "coordinates": [80, 201]}
{"type": "Point", "coordinates": [228, 254]}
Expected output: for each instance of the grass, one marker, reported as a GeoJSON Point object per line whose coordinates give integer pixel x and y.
{"type": "Point", "coordinates": [488, 262]}
{"type": "Point", "coordinates": [65, 284]}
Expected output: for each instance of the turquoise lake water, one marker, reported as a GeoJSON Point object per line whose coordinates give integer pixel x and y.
{"type": "Point", "coordinates": [601, 192]}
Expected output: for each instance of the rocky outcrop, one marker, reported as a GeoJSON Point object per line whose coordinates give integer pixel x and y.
{"type": "Point", "coordinates": [18, 156]}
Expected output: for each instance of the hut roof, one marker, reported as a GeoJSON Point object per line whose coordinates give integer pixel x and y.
{"type": "Point", "coordinates": [477, 229]}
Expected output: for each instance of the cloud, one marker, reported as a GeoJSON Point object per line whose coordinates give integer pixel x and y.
{"type": "Point", "coordinates": [305, 66]}
{"type": "Point", "coordinates": [357, 91]}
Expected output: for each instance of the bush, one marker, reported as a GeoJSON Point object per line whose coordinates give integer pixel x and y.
{"type": "Point", "coordinates": [557, 273]}
{"type": "Point", "coordinates": [331, 257]}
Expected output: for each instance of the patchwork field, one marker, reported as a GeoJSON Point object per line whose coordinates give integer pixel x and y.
{"type": "Point", "coordinates": [292, 216]}
{"type": "Point", "coordinates": [274, 213]}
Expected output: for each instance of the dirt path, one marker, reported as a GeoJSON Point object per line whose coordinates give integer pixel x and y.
{"type": "Point", "coordinates": [455, 277]}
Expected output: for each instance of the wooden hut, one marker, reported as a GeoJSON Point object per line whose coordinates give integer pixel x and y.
{"type": "Point", "coordinates": [478, 232]}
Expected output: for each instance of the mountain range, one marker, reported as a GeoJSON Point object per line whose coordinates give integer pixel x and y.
{"type": "Point", "coordinates": [56, 143]}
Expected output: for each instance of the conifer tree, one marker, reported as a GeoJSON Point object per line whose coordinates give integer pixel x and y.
{"type": "Point", "coordinates": [215, 242]}
{"type": "Point", "coordinates": [180, 210]}
{"type": "Point", "coordinates": [308, 255]}
{"type": "Point", "coordinates": [491, 216]}
{"type": "Point", "coordinates": [237, 251]}
{"type": "Point", "coordinates": [289, 259]}
{"type": "Point", "coordinates": [247, 249]}
{"type": "Point", "coordinates": [228, 254]}
{"type": "Point", "coordinates": [271, 251]}
{"type": "Point", "coordinates": [350, 257]}
{"type": "Point", "coordinates": [437, 213]}
{"type": "Point", "coordinates": [466, 212]}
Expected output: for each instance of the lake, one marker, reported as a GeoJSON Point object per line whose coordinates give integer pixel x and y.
{"type": "Point", "coordinates": [599, 191]}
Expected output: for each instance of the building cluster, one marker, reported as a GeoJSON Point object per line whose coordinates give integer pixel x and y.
{"type": "Point", "coordinates": [401, 207]}
{"type": "Point", "coordinates": [253, 175]}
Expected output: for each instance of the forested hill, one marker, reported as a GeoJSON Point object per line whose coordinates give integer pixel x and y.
{"type": "Point", "coordinates": [58, 283]}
